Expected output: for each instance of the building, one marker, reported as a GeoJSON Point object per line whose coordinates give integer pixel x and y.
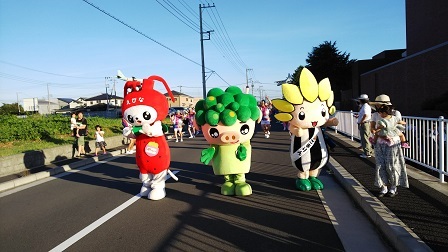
{"type": "Point", "coordinates": [181, 100]}
{"type": "Point", "coordinates": [105, 99]}
{"type": "Point", "coordinates": [43, 107]}
{"type": "Point", "coordinates": [415, 78]}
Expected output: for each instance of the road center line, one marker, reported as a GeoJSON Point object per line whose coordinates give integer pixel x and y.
{"type": "Point", "coordinates": [78, 236]}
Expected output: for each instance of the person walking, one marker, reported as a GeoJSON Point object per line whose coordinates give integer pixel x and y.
{"type": "Point", "coordinates": [177, 121]}
{"type": "Point", "coordinates": [363, 119]}
{"type": "Point", "coordinates": [266, 108]}
{"type": "Point", "coordinates": [190, 118]}
{"type": "Point", "coordinates": [100, 143]}
{"type": "Point", "coordinates": [390, 166]}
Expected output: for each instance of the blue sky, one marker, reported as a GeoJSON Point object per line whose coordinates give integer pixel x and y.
{"type": "Point", "coordinates": [70, 46]}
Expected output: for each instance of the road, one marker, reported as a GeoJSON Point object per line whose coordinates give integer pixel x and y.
{"type": "Point", "coordinates": [97, 208]}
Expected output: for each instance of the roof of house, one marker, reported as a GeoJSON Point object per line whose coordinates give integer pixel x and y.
{"type": "Point", "coordinates": [175, 93]}
{"type": "Point", "coordinates": [67, 100]}
{"type": "Point", "coordinates": [103, 97]}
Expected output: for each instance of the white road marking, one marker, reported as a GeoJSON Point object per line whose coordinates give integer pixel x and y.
{"type": "Point", "coordinates": [99, 222]}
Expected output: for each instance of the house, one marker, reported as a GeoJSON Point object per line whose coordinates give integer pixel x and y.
{"type": "Point", "coordinates": [181, 100]}
{"type": "Point", "coordinates": [41, 106]}
{"type": "Point", "coordinates": [105, 99]}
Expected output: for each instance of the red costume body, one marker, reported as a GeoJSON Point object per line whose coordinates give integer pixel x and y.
{"type": "Point", "coordinates": [155, 162]}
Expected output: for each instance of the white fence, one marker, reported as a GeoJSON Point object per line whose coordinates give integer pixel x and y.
{"type": "Point", "coordinates": [427, 137]}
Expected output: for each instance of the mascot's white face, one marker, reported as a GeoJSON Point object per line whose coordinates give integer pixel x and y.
{"type": "Point", "coordinates": [310, 115]}
{"type": "Point", "coordinates": [140, 114]}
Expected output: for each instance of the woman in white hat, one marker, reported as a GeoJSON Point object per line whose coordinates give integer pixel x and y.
{"type": "Point", "coordinates": [389, 158]}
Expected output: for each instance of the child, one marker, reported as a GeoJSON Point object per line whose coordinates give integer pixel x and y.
{"type": "Point", "coordinates": [177, 121]}
{"type": "Point", "coordinates": [99, 143]}
{"type": "Point", "coordinates": [190, 117]}
{"type": "Point", "coordinates": [73, 125]}
{"type": "Point", "coordinates": [388, 127]}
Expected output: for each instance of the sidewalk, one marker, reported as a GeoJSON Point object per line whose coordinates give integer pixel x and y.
{"type": "Point", "coordinates": [416, 214]}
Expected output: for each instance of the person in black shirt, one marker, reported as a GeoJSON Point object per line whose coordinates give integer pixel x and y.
{"type": "Point", "coordinates": [81, 125]}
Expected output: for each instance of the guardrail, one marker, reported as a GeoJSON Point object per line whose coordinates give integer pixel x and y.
{"type": "Point", "coordinates": [427, 137]}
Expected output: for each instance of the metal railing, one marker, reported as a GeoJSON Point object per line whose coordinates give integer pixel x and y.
{"type": "Point", "coordinates": [427, 137]}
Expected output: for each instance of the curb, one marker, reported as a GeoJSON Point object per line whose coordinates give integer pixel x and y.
{"type": "Point", "coordinates": [400, 236]}
{"type": "Point", "coordinates": [60, 169]}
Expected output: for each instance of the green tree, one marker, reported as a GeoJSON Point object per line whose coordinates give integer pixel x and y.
{"type": "Point", "coordinates": [10, 109]}
{"type": "Point", "coordinates": [325, 61]}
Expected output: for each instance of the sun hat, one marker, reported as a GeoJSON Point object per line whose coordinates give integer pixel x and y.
{"type": "Point", "coordinates": [381, 100]}
{"type": "Point", "coordinates": [363, 97]}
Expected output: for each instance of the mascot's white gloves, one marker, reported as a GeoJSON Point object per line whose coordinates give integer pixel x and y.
{"type": "Point", "coordinates": [127, 131]}
{"type": "Point", "coordinates": [153, 130]}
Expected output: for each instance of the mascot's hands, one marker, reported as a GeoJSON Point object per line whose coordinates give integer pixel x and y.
{"type": "Point", "coordinates": [332, 122]}
{"type": "Point", "coordinates": [127, 131]}
{"type": "Point", "coordinates": [207, 155]}
{"type": "Point", "coordinates": [241, 152]}
{"type": "Point", "coordinates": [153, 130]}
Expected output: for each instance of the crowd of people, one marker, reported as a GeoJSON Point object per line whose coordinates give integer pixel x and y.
{"type": "Point", "coordinates": [381, 132]}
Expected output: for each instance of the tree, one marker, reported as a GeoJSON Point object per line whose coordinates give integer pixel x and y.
{"type": "Point", "coordinates": [10, 109]}
{"type": "Point", "coordinates": [327, 61]}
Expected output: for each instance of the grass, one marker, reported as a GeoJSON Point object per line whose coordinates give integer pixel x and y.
{"type": "Point", "coordinates": [111, 127]}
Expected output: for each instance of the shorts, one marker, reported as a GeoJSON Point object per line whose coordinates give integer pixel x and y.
{"type": "Point", "coordinates": [81, 141]}
{"type": "Point", "coordinates": [100, 144]}
{"type": "Point", "coordinates": [265, 122]}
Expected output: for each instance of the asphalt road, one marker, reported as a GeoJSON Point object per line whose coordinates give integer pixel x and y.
{"type": "Point", "coordinates": [96, 209]}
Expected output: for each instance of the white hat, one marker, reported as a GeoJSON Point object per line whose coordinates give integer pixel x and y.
{"type": "Point", "coordinates": [363, 97]}
{"type": "Point", "coordinates": [381, 100]}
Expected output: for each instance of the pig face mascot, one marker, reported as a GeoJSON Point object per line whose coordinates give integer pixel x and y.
{"type": "Point", "coordinates": [227, 120]}
{"type": "Point", "coordinates": [306, 107]}
{"type": "Point", "coordinates": [144, 109]}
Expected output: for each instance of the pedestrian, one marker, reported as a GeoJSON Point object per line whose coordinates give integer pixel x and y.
{"type": "Point", "coordinates": [100, 143]}
{"type": "Point", "coordinates": [390, 166]}
{"type": "Point", "coordinates": [190, 122]}
{"type": "Point", "coordinates": [266, 108]}
{"type": "Point", "coordinates": [363, 120]}
{"type": "Point", "coordinates": [82, 132]}
{"type": "Point", "coordinates": [177, 121]}
{"type": "Point", "coordinates": [73, 128]}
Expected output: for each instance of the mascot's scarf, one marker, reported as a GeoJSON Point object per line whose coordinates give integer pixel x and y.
{"type": "Point", "coordinates": [302, 150]}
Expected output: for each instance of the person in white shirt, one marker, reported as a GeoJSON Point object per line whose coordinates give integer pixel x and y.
{"type": "Point", "coordinates": [100, 143]}
{"type": "Point", "coordinates": [364, 117]}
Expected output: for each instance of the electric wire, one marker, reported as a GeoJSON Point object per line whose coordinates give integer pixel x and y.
{"type": "Point", "coordinates": [146, 36]}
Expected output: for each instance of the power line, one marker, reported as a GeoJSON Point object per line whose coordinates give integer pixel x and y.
{"type": "Point", "coordinates": [146, 36]}
{"type": "Point", "coordinates": [48, 72]}
{"type": "Point", "coordinates": [181, 13]}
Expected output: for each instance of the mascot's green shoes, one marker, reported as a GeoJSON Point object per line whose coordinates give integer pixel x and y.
{"type": "Point", "coordinates": [316, 184]}
{"type": "Point", "coordinates": [235, 184]}
{"type": "Point", "coordinates": [303, 184]}
{"type": "Point", "coordinates": [308, 184]}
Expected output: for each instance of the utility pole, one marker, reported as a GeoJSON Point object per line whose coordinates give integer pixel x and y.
{"type": "Point", "coordinates": [247, 82]}
{"type": "Point", "coordinates": [252, 87]}
{"type": "Point", "coordinates": [18, 106]}
{"type": "Point", "coordinates": [107, 94]}
{"type": "Point", "coordinates": [201, 33]}
{"type": "Point", "coordinates": [48, 93]}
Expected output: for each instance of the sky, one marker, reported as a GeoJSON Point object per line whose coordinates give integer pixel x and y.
{"type": "Point", "coordinates": [74, 48]}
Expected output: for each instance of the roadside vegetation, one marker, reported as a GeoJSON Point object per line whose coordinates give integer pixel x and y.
{"type": "Point", "coordinates": [38, 132]}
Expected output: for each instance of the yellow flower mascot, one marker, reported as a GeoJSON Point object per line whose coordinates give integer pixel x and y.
{"type": "Point", "coordinates": [306, 107]}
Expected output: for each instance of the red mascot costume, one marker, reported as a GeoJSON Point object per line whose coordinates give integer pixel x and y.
{"type": "Point", "coordinates": [144, 109]}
